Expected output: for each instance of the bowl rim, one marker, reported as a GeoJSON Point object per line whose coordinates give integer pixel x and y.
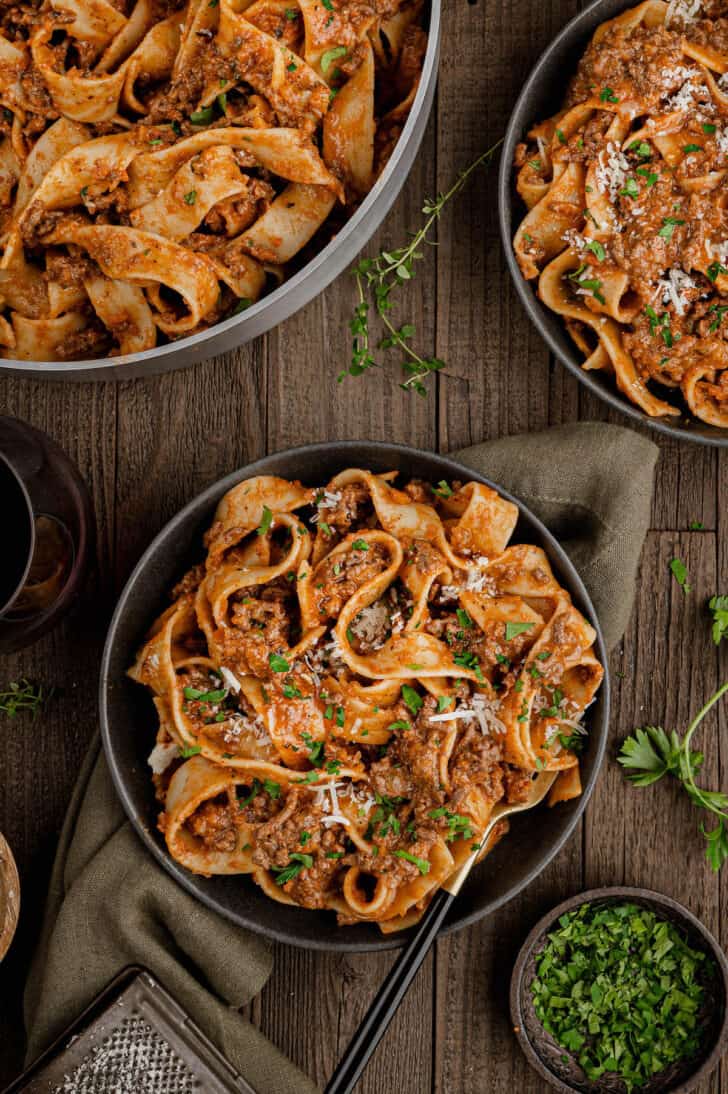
{"type": "Point", "coordinates": [448, 467]}
{"type": "Point", "coordinates": [293, 294]}
{"type": "Point", "coordinates": [616, 893]}
{"type": "Point", "coordinates": [582, 24]}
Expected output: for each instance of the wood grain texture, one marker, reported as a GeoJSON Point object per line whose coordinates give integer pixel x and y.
{"type": "Point", "coordinates": [146, 447]}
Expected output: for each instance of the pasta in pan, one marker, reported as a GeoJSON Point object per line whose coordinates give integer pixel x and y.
{"type": "Point", "coordinates": [626, 193]}
{"type": "Point", "coordinates": [163, 162]}
{"type": "Point", "coordinates": [351, 681]}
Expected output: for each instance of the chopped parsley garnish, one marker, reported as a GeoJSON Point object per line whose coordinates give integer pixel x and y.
{"type": "Point", "coordinates": [265, 522]}
{"type": "Point", "coordinates": [708, 127]}
{"type": "Point", "coordinates": [597, 249]}
{"type": "Point", "coordinates": [443, 702]}
{"type": "Point", "coordinates": [340, 717]}
{"type": "Point", "coordinates": [459, 827]}
{"type": "Point", "coordinates": [334, 854]}
{"type": "Point", "coordinates": [412, 699]}
{"type": "Point", "coordinates": [688, 148]}
{"type": "Point", "coordinates": [514, 629]}
{"type": "Point", "coordinates": [680, 572]}
{"type": "Point", "coordinates": [719, 310]}
{"type": "Point", "coordinates": [715, 269]}
{"type": "Point", "coordinates": [557, 698]}
{"type": "Point", "coordinates": [606, 95]}
{"type": "Point", "coordinates": [291, 692]}
{"type": "Point", "coordinates": [328, 4]}
{"type": "Point", "coordinates": [592, 284]}
{"type": "Point", "coordinates": [399, 725]}
{"type": "Point", "coordinates": [203, 116]}
{"type": "Point", "coordinates": [333, 767]}
{"type": "Point", "coordinates": [360, 545]}
{"type": "Point", "coordinates": [641, 149]}
{"type": "Point", "coordinates": [291, 14]}
{"type": "Point", "coordinates": [543, 655]}
{"type": "Point", "coordinates": [291, 66]}
{"type": "Point", "coordinates": [660, 324]}
{"type": "Point", "coordinates": [255, 789]}
{"type": "Point", "coordinates": [668, 226]}
{"type": "Point", "coordinates": [422, 864]}
{"type": "Point", "coordinates": [468, 660]}
{"type": "Point", "coordinates": [443, 489]}
{"type": "Point", "coordinates": [463, 618]}
{"type": "Point", "coordinates": [272, 788]}
{"type": "Point", "coordinates": [185, 753]}
{"type": "Point", "coordinates": [331, 55]}
{"type": "Point", "coordinates": [648, 175]}
{"type": "Point", "coordinates": [560, 135]}
{"type": "Point", "coordinates": [278, 663]}
{"type": "Point", "coordinates": [204, 696]}
{"type": "Point", "coordinates": [296, 862]}
{"type": "Point", "coordinates": [191, 197]}
{"type": "Point", "coordinates": [304, 837]}
{"type": "Point", "coordinates": [620, 989]}
{"type": "Point", "coordinates": [315, 749]}
{"type": "Point", "coordinates": [630, 189]}
{"type": "Point", "coordinates": [242, 305]}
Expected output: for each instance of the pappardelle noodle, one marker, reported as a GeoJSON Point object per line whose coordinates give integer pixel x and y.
{"type": "Point", "coordinates": [626, 189]}
{"type": "Point", "coordinates": [352, 680]}
{"type": "Point", "coordinates": [162, 164]}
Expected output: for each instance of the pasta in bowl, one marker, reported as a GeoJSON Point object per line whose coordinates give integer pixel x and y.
{"type": "Point", "coordinates": [163, 166]}
{"type": "Point", "coordinates": [624, 190]}
{"type": "Point", "coordinates": [351, 681]}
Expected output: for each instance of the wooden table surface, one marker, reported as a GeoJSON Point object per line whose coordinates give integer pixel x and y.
{"type": "Point", "coordinates": [146, 447]}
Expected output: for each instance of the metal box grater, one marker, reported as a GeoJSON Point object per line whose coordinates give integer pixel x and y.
{"type": "Point", "coordinates": [133, 1039]}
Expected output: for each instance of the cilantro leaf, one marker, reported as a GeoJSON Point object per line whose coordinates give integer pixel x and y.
{"type": "Point", "coordinates": [719, 607]}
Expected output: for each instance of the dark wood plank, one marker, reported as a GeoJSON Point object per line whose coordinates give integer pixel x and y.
{"type": "Point", "coordinates": [33, 795]}
{"type": "Point", "coordinates": [177, 434]}
{"type": "Point", "coordinates": [498, 378]}
{"type": "Point", "coordinates": [650, 836]}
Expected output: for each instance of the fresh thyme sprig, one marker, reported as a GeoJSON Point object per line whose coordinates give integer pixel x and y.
{"type": "Point", "coordinates": [23, 695]}
{"type": "Point", "coordinates": [651, 753]}
{"type": "Point", "coordinates": [376, 280]}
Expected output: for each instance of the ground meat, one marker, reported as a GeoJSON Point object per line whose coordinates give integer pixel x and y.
{"type": "Point", "coordinates": [341, 575]}
{"type": "Point", "coordinates": [352, 507]}
{"type": "Point", "coordinates": [260, 625]}
{"type": "Point", "coordinates": [190, 582]}
{"type": "Point", "coordinates": [476, 761]}
{"type": "Point", "coordinates": [517, 783]}
{"type": "Point", "coordinates": [297, 828]}
{"type": "Point", "coordinates": [213, 823]}
{"type": "Point", "coordinates": [421, 491]}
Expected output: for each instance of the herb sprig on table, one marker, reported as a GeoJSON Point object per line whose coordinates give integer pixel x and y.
{"type": "Point", "coordinates": [23, 695]}
{"type": "Point", "coordinates": [651, 753]}
{"type": "Point", "coordinates": [376, 282]}
{"type": "Point", "coordinates": [621, 989]}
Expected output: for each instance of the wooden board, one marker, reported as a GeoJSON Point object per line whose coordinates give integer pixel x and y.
{"type": "Point", "coordinates": [145, 447]}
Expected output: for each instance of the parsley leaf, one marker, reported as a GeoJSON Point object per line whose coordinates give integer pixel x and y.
{"type": "Point", "coordinates": [680, 572]}
{"type": "Point", "coordinates": [514, 629]}
{"type": "Point", "coordinates": [651, 753]}
{"type": "Point", "coordinates": [296, 862]}
{"type": "Point", "coordinates": [719, 607]}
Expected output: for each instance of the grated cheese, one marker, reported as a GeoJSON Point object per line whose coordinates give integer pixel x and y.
{"type": "Point", "coordinates": [162, 756]}
{"type": "Point", "coordinates": [230, 679]}
{"type": "Point", "coordinates": [682, 11]}
{"type": "Point", "coordinates": [611, 170]}
{"type": "Point", "coordinates": [673, 289]}
{"type": "Point", "coordinates": [482, 709]}
{"type": "Point", "coordinates": [371, 625]}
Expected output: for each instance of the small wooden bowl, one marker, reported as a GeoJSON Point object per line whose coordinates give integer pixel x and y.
{"type": "Point", "coordinates": [547, 1057]}
{"type": "Point", "coordinates": [9, 896]}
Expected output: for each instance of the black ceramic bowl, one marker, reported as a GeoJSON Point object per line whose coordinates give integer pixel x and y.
{"type": "Point", "coordinates": [541, 97]}
{"type": "Point", "coordinates": [128, 719]}
{"type": "Point", "coordinates": [547, 1057]}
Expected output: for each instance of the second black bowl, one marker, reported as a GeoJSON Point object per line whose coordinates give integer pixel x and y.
{"type": "Point", "coordinates": [541, 97]}
{"type": "Point", "coordinates": [129, 724]}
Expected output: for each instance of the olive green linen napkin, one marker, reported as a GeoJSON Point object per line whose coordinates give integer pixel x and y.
{"type": "Point", "coordinates": [111, 905]}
